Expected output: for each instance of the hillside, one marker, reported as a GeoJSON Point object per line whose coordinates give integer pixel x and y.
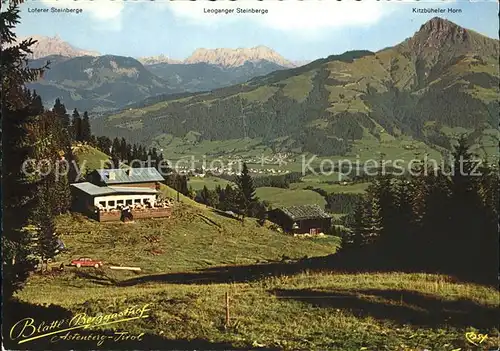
{"type": "Point", "coordinates": [195, 237]}
{"type": "Point", "coordinates": [48, 46]}
{"type": "Point", "coordinates": [193, 259]}
{"type": "Point", "coordinates": [194, 77]}
{"type": "Point", "coordinates": [110, 82]}
{"type": "Point", "coordinates": [410, 90]}
{"type": "Point", "coordinates": [96, 83]}
{"type": "Point", "coordinates": [89, 158]}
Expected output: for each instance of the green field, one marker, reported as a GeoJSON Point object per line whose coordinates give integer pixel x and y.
{"type": "Point", "coordinates": [89, 158]}
{"type": "Point", "coordinates": [191, 145]}
{"type": "Point", "coordinates": [286, 197]}
{"type": "Point", "coordinates": [210, 182]}
{"type": "Point", "coordinates": [356, 188]}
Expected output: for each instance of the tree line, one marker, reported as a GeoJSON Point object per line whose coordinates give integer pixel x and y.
{"type": "Point", "coordinates": [435, 219]}
{"type": "Point", "coordinates": [276, 181]}
{"type": "Point", "coordinates": [36, 154]}
{"type": "Point", "coordinates": [240, 199]}
{"type": "Point", "coordinates": [338, 202]}
{"type": "Point", "coordinates": [31, 193]}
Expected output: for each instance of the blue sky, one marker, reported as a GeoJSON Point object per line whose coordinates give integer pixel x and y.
{"type": "Point", "coordinates": [298, 30]}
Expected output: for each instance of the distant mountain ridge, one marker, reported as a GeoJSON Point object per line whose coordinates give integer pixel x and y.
{"type": "Point", "coordinates": [96, 83]}
{"type": "Point", "coordinates": [226, 57]}
{"type": "Point", "coordinates": [109, 82]}
{"type": "Point", "coordinates": [443, 77]}
{"type": "Point", "coordinates": [49, 46]}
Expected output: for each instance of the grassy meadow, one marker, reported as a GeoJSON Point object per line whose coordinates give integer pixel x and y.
{"type": "Point", "coordinates": [278, 197]}
{"type": "Point", "coordinates": [279, 299]}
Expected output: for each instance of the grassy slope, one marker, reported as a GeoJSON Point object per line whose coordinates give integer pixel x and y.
{"type": "Point", "coordinates": [287, 197]}
{"type": "Point", "coordinates": [209, 182]}
{"type": "Point", "coordinates": [391, 311]}
{"type": "Point", "coordinates": [280, 308]}
{"type": "Point", "coordinates": [308, 310]}
{"type": "Point", "coordinates": [357, 188]}
{"type": "Point", "coordinates": [89, 157]}
{"type": "Point", "coordinates": [195, 237]}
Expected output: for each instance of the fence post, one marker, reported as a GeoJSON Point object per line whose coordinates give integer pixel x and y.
{"type": "Point", "coordinates": [227, 309]}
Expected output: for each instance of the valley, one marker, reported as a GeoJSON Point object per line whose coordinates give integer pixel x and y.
{"type": "Point", "coordinates": [393, 101]}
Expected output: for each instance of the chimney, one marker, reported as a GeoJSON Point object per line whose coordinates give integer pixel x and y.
{"type": "Point", "coordinates": [112, 175]}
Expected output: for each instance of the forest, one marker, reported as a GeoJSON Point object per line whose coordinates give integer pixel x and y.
{"type": "Point", "coordinates": [441, 220]}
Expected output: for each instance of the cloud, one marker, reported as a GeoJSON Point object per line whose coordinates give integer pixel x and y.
{"type": "Point", "coordinates": [292, 15]}
{"type": "Point", "coordinates": [98, 10]}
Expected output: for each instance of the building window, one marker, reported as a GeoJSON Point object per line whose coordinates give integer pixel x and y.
{"type": "Point", "coordinates": [137, 201]}
{"type": "Point", "coordinates": [102, 203]}
{"type": "Point", "coordinates": [119, 202]}
{"type": "Point", "coordinates": [128, 202]}
{"type": "Point", "coordinates": [111, 203]}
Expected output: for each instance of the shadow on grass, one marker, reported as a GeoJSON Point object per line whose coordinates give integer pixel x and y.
{"type": "Point", "coordinates": [225, 274]}
{"type": "Point", "coordinates": [16, 311]}
{"type": "Point", "coordinates": [356, 262]}
{"type": "Point", "coordinates": [400, 306]}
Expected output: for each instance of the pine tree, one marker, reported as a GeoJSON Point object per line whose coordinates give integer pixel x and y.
{"type": "Point", "coordinates": [487, 243]}
{"type": "Point", "coordinates": [116, 149]}
{"type": "Point", "coordinates": [60, 110]}
{"type": "Point", "coordinates": [61, 200]}
{"type": "Point", "coordinates": [208, 197]}
{"type": "Point", "coordinates": [18, 188]}
{"type": "Point", "coordinates": [76, 126]}
{"type": "Point", "coordinates": [247, 189]}
{"type": "Point", "coordinates": [229, 199]}
{"type": "Point", "coordinates": [46, 237]}
{"type": "Point", "coordinates": [374, 222]}
{"type": "Point", "coordinates": [36, 104]}
{"type": "Point", "coordinates": [465, 206]}
{"type": "Point", "coordinates": [123, 149]}
{"type": "Point", "coordinates": [104, 144]}
{"type": "Point", "coordinates": [86, 134]}
{"type": "Point", "coordinates": [359, 225]}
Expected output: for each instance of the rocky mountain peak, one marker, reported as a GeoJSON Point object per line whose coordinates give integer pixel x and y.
{"type": "Point", "coordinates": [152, 60]}
{"type": "Point", "coordinates": [438, 30]}
{"type": "Point", "coordinates": [440, 36]}
{"type": "Point", "coordinates": [227, 57]}
{"type": "Point", "coordinates": [47, 46]}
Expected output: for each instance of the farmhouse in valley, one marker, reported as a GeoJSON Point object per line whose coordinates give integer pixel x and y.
{"type": "Point", "coordinates": [302, 219]}
{"type": "Point", "coordinates": [120, 194]}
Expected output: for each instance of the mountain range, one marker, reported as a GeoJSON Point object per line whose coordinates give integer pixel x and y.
{"type": "Point", "coordinates": [87, 81]}
{"type": "Point", "coordinates": [442, 77]}
{"type": "Point", "coordinates": [52, 46]}
{"type": "Point", "coordinates": [225, 57]}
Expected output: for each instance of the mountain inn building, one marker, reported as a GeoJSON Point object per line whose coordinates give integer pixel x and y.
{"type": "Point", "coordinates": [302, 219]}
{"type": "Point", "coordinates": [110, 192]}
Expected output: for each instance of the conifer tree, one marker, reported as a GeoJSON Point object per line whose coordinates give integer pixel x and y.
{"type": "Point", "coordinates": [60, 110]}
{"type": "Point", "coordinates": [123, 150]}
{"type": "Point", "coordinates": [18, 188]}
{"type": "Point", "coordinates": [36, 104]}
{"type": "Point", "coordinates": [116, 148]}
{"type": "Point", "coordinates": [47, 240]}
{"type": "Point", "coordinates": [76, 126]}
{"type": "Point", "coordinates": [466, 212]}
{"type": "Point", "coordinates": [86, 133]}
{"type": "Point", "coordinates": [359, 225]}
{"type": "Point", "coordinates": [246, 188]}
